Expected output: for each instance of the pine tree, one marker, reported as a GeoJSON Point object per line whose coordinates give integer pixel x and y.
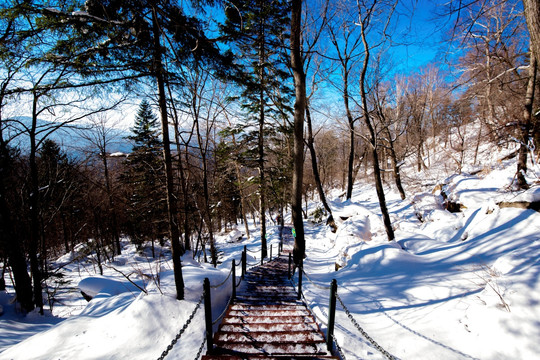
{"type": "Point", "coordinates": [116, 42]}
{"type": "Point", "coordinates": [144, 177]}
{"type": "Point", "coordinates": [257, 29]}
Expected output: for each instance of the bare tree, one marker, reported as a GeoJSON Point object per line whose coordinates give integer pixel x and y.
{"type": "Point", "coordinates": [347, 43]}
{"type": "Point", "coordinates": [313, 63]}
{"type": "Point", "coordinates": [367, 13]}
{"type": "Point", "coordinates": [243, 202]}
{"type": "Point", "coordinates": [101, 135]}
{"type": "Point", "coordinates": [391, 130]}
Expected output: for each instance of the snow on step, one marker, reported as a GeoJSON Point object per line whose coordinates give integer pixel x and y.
{"type": "Point", "coordinates": [269, 327]}
{"type": "Point", "coordinates": [269, 337]}
{"type": "Point", "coordinates": [269, 312]}
{"type": "Point", "coordinates": [276, 349]}
{"type": "Point", "coordinates": [267, 321]}
{"type": "Point", "coordinates": [266, 357]}
{"type": "Point", "coordinates": [242, 306]}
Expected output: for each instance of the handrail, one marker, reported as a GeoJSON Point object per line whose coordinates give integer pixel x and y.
{"type": "Point", "coordinates": [330, 337]}
{"type": "Point", "coordinates": [177, 337]}
{"type": "Point", "coordinates": [206, 297]}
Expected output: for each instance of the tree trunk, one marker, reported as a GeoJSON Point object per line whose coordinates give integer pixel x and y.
{"type": "Point", "coordinates": [9, 242]}
{"type": "Point", "coordinates": [243, 204]}
{"type": "Point", "coordinates": [299, 111]}
{"type": "Point", "coordinates": [112, 207]}
{"type": "Point", "coordinates": [367, 120]}
{"type": "Point", "coordinates": [526, 125]}
{"type": "Point", "coordinates": [171, 202]}
{"type": "Point", "coordinates": [262, 175]}
{"type": "Point", "coordinates": [315, 168]}
{"type": "Point", "coordinates": [532, 15]}
{"type": "Point", "coordinates": [350, 120]}
{"type": "Point", "coordinates": [34, 212]}
{"type": "Point", "coordinates": [395, 165]}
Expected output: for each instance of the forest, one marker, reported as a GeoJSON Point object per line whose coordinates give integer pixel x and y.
{"type": "Point", "coordinates": [167, 122]}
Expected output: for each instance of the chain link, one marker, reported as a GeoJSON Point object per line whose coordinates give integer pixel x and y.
{"type": "Point", "coordinates": [223, 282]}
{"type": "Point", "coordinates": [200, 350]}
{"type": "Point", "coordinates": [224, 312]}
{"type": "Point", "coordinates": [239, 282]}
{"type": "Point", "coordinates": [252, 251]}
{"type": "Point", "coordinates": [359, 328]}
{"type": "Point", "coordinates": [312, 283]}
{"type": "Point", "coordinates": [177, 337]}
{"type": "Point", "coordinates": [339, 349]}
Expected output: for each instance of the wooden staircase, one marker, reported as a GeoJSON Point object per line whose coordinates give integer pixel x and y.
{"type": "Point", "coordinates": [266, 321]}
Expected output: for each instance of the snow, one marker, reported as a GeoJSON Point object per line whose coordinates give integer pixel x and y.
{"type": "Point", "coordinates": [462, 285]}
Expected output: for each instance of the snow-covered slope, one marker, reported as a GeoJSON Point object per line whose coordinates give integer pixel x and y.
{"type": "Point", "coordinates": [462, 285]}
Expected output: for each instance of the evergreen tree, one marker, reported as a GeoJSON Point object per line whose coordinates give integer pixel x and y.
{"type": "Point", "coordinates": [144, 177]}
{"type": "Point", "coordinates": [257, 28]}
{"type": "Point", "coordinates": [122, 41]}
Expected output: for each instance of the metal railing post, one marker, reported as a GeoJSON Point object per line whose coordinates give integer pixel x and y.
{"type": "Point", "coordinates": [208, 316]}
{"type": "Point", "coordinates": [300, 270]}
{"type": "Point", "coordinates": [331, 316]}
{"type": "Point", "coordinates": [270, 252]}
{"type": "Point", "coordinates": [233, 270]}
{"type": "Point", "coordinates": [244, 260]}
{"type": "Point", "coordinates": [290, 263]}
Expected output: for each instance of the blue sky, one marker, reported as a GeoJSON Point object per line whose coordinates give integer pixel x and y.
{"type": "Point", "coordinates": [419, 32]}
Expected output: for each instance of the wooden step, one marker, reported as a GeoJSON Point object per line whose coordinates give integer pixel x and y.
{"type": "Point", "coordinates": [275, 348]}
{"type": "Point", "coordinates": [243, 306]}
{"type": "Point", "coordinates": [267, 321]}
{"type": "Point", "coordinates": [265, 312]}
{"type": "Point", "coordinates": [273, 327]}
{"type": "Point", "coordinates": [266, 357]}
{"type": "Point", "coordinates": [268, 337]}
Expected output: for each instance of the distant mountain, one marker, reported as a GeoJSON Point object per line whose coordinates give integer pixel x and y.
{"type": "Point", "coordinates": [71, 138]}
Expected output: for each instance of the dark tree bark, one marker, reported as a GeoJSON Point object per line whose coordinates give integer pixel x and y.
{"type": "Point", "coordinates": [532, 16]}
{"type": "Point", "coordinates": [392, 149]}
{"type": "Point", "coordinates": [525, 126]}
{"type": "Point", "coordinates": [9, 242]}
{"type": "Point", "coordinates": [350, 121]}
{"type": "Point", "coordinates": [174, 233]}
{"type": "Point", "coordinates": [396, 171]}
{"type": "Point", "coordinates": [262, 174]}
{"type": "Point", "coordinates": [315, 168]}
{"type": "Point", "coordinates": [112, 206]}
{"type": "Point", "coordinates": [34, 210]}
{"type": "Point", "coordinates": [299, 111]}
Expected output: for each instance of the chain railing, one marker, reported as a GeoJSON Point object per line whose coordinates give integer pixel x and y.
{"type": "Point", "coordinates": [210, 322]}
{"type": "Point", "coordinates": [330, 323]}
{"type": "Point", "coordinates": [362, 331]}
{"type": "Point", "coordinates": [177, 337]}
{"type": "Point", "coordinates": [206, 297]}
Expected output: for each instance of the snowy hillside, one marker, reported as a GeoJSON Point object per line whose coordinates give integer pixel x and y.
{"type": "Point", "coordinates": [461, 285]}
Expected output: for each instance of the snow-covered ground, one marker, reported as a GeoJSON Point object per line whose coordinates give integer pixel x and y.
{"type": "Point", "coordinates": [460, 285]}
